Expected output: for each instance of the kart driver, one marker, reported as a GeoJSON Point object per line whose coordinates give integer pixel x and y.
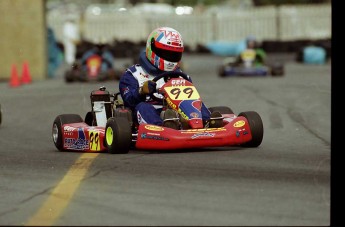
{"type": "Point", "coordinates": [260, 55]}
{"type": "Point", "coordinates": [164, 48]}
{"type": "Point", "coordinates": [102, 50]}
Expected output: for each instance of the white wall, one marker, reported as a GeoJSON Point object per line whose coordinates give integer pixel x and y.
{"type": "Point", "coordinates": [282, 23]}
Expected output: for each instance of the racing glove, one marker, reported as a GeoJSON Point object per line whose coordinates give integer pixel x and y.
{"type": "Point", "coordinates": [149, 87]}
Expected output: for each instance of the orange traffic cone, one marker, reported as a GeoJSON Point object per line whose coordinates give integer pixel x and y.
{"type": "Point", "coordinates": [14, 80]}
{"type": "Point", "coordinates": [26, 78]}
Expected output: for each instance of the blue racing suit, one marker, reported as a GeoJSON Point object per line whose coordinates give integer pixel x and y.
{"type": "Point", "coordinates": [145, 108]}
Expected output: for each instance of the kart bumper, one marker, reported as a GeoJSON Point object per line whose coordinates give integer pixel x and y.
{"type": "Point", "coordinates": [241, 71]}
{"type": "Point", "coordinates": [155, 137]}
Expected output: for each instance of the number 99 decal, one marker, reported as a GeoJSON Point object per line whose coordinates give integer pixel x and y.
{"type": "Point", "coordinates": [94, 141]}
{"type": "Point", "coordinates": [182, 93]}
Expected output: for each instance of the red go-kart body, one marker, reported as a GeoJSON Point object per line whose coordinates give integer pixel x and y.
{"type": "Point", "coordinates": [109, 126]}
{"type": "Point", "coordinates": [235, 132]}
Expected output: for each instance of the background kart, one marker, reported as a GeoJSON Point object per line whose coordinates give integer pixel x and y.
{"type": "Point", "coordinates": [109, 126]}
{"type": "Point", "coordinates": [230, 67]}
{"type": "Point", "coordinates": [91, 72]}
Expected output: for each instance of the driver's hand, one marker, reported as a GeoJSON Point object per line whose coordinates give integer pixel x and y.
{"type": "Point", "coordinates": [149, 87]}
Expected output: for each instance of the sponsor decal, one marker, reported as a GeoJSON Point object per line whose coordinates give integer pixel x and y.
{"type": "Point", "coordinates": [239, 124]}
{"type": "Point", "coordinates": [197, 104]}
{"type": "Point", "coordinates": [152, 133]}
{"type": "Point", "coordinates": [238, 132]}
{"type": "Point", "coordinates": [140, 120]}
{"type": "Point", "coordinates": [69, 129]}
{"type": "Point", "coordinates": [125, 90]}
{"type": "Point", "coordinates": [144, 75]}
{"type": "Point", "coordinates": [194, 115]}
{"type": "Point", "coordinates": [154, 128]}
{"type": "Point", "coordinates": [170, 103]}
{"type": "Point", "coordinates": [95, 144]}
{"type": "Point", "coordinates": [203, 130]}
{"type": "Point", "coordinates": [182, 92]}
{"type": "Point", "coordinates": [80, 143]}
{"type": "Point", "coordinates": [203, 134]}
{"type": "Point", "coordinates": [229, 119]}
{"type": "Point", "coordinates": [170, 65]}
{"type": "Point", "coordinates": [153, 137]}
{"type": "Point", "coordinates": [184, 116]}
{"type": "Point", "coordinates": [178, 82]}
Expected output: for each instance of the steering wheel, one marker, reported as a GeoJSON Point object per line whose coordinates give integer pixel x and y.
{"type": "Point", "coordinates": [170, 74]}
{"type": "Point", "coordinates": [166, 76]}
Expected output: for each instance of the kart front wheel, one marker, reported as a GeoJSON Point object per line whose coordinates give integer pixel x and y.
{"type": "Point", "coordinates": [57, 127]}
{"type": "Point", "coordinates": [256, 128]}
{"type": "Point", "coordinates": [118, 135]}
{"type": "Point", "coordinates": [69, 77]}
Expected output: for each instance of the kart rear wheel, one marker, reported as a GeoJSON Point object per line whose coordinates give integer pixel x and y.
{"type": "Point", "coordinates": [103, 76]}
{"type": "Point", "coordinates": [57, 129]}
{"type": "Point", "coordinates": [69, 77]}
{"type": "Point", "coordinates": [221, 109]}
{"type": "Point", "coordinates": [277, 69]}
{"type": "Point", "coordinates": [89, 119]}
{"type": "Point", "coordinates": [256, 128]}
{"type": "Point", "coordinates": [118, 135]}
{"type": "Point", "coordinates": [221, 71]}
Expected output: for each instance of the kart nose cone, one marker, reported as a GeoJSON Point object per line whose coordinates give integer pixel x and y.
{"type": "Point", "coordinates": [195, 123]}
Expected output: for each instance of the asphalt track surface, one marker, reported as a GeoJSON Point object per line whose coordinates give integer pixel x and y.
{"type": "Point", "coordinates": [284, 181]}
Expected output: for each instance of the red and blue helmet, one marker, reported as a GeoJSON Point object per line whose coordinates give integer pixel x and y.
{"type": "Point", "coordinates": [164, 48]}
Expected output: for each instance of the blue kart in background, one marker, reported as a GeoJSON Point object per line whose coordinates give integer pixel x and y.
{"type": "Point", "coordinates": [244, 65]}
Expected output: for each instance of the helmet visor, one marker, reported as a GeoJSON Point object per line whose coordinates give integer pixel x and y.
{"type": "Point", "coordinates": [172, 56]}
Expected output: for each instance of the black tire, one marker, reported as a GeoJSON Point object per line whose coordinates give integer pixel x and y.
{"type": "Point", "coordinates": [82, 76]}
{"type": "Point", "coordinates": [221, 71]}
{"type": "Point", "coordinates": [126, 113]}
{"type": "Point", "coordinates": [89, 119]}
{"type": "Point", "coordinates": [69, 78]}
{"type": "Point", "coordinates": [103, 76]}
{"type": "Point", "coordinates": [57, 130]}
{"type": "Point", "coordinates": [256, 128]}
{"type": "Point", "coordinates": [277, 69]}
{"type": "Point", "coordinates": [118, 135]}
{"type": "Point", "coordinates": [221, 109]}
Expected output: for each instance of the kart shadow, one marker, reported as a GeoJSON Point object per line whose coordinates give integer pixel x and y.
{"type": "Point", "coordinates": [190, 150]}
{"type": "Point", "coordinates": [176, 151]}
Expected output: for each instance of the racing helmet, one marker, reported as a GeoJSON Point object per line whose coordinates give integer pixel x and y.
{"type": "Point", "coordinates": [164, 48]}
{"type": "Point", "coordinates": [251, 41]}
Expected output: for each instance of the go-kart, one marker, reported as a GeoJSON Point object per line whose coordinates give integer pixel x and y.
{"type": "Point", "coordinates": [91, 71]}
{"type": "Point", "coordinates": [111, 127]}
{"type": "Point", "coordinates": [246, 66]}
